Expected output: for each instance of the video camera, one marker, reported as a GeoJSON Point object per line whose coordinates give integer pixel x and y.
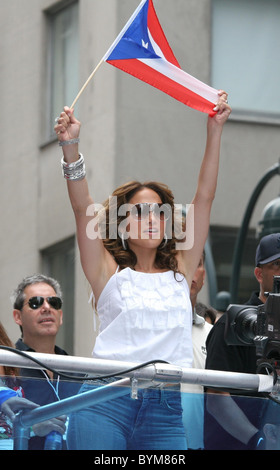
{"type": "Point", "coordinates": [248, 325]}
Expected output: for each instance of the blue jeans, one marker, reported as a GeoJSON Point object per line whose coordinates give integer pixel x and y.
{"type": "Point", "coordinates": [151, 422]}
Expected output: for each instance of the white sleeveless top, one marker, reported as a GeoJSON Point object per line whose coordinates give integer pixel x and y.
{"type": "Point", "coordinates": [145, 317]}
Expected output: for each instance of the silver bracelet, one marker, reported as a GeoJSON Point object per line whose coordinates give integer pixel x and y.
{"type": "Point", "coordinates": [74, 171]}
{"type": "Point", "coordinates": [68, 142]}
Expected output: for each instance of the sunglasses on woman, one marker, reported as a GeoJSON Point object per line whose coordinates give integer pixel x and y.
{"type": "Point", "coordinates": [36, 302]}
{"type": "Point", "coordinates": [142, 210]}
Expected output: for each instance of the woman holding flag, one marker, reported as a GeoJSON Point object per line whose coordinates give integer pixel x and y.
{"type": "Point", "coordinates": [140, 280]}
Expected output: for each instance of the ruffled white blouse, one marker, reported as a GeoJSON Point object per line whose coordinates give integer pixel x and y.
{"type": "Point", "coordinates": [145, 317]}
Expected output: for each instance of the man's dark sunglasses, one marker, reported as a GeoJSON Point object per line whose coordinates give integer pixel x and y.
{"type": "Point", "coordinates": [36, 302]}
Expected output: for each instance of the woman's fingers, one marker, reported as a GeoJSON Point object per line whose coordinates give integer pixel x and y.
{"type": "Point", "coordinates": [66, 125]}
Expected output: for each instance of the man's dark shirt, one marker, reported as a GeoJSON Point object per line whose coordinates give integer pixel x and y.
{"type": "Point", "coordinates": [45, 390]}
{"type": "Point", "coordinates": [221, 356]}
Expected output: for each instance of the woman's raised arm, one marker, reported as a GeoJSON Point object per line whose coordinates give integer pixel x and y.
{"type": "Point", "coordinates": [206, 187]}
{"type": "Point", "coordinates": [97, 263]}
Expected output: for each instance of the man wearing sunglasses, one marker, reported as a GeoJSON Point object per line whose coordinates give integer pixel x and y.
{"type": "Point", "coordinates": [38, 312]}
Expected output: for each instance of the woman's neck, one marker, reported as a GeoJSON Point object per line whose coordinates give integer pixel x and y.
{"type": "Point", "coordinates": [146, 260]}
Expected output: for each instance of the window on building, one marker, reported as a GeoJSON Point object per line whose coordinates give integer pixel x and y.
{"type": "Point", "coordinates": [245, 56]}
{"type": "Point", "coordinates": [58, 261]}
{"type": "Point", "coordinates": [63, 58]}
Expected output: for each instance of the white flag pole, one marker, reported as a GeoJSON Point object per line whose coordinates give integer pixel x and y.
{"type": "Point", "coordinates": [104, 58]}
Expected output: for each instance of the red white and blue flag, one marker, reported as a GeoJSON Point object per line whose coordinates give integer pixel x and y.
{"type": "Point", "coordinates": [142, 50]}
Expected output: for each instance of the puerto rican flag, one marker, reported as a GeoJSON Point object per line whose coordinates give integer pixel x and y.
{"type": "Point", "coordinates": [141, 49]}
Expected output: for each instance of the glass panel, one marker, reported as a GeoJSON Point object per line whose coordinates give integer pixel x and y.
{"type": "Point", "coordinates": [153, 417]}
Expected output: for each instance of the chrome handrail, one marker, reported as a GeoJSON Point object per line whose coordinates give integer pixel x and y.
{"type": "Point", "coordinates": [157, 372]}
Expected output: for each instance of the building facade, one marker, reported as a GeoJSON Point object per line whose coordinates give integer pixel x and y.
{"type": "Point", "coordinates": [129, 131]}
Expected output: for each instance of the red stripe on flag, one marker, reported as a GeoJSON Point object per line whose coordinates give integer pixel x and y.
{"type": "Point", "coordinates": [167, 85]}
{"type": "Point", "coordinates": [159, 36]}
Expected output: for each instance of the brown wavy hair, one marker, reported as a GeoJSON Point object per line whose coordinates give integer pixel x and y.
{"type": "Point", "coordinates": [5, 341]}
{"type": "Point", "coordinates": [165, 257]}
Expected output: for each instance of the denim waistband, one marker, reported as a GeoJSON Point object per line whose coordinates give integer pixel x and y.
{"type": "Point", "coordinates": [154, 386]}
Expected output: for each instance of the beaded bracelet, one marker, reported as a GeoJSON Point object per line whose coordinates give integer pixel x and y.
{"type": "Point", "coordinates": [74, 171]}
{"type": "Point", "coordinates": [68, 142]}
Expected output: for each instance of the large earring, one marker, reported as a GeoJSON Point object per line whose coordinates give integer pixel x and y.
{"type": "Point", "coordinates": [163, 243]}
{"type": "Point", "coordinates": [124, 243]}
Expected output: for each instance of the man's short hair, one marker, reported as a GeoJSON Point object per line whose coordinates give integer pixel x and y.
{"type": "Point", "coordinates": [18, 295]}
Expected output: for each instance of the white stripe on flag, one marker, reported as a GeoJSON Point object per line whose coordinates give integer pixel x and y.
{"type": "Point", "coordinates": [182, 78]}
{"type": "Point", "coordinates": [155, 46]}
